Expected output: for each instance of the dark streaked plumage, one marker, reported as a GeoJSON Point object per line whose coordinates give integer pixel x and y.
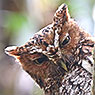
{"type": "Point", "coordinates": [58, 57]}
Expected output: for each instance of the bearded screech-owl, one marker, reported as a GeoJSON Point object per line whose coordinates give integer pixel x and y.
{"type": "Point", "coordinates": [58, 57]}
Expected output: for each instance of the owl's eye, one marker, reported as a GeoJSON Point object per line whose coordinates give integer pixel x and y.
{"type": "Point", "coordinates": [65, 41]}
{"type": "Point", "coordinates": [41, 60]}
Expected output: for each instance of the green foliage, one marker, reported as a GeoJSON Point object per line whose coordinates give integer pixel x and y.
{"type": "Point", "coordinates": [15, 21]}
{"type": "Point", "coordinates": [37, 91]}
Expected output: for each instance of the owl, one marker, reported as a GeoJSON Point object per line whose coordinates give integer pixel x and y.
{"type": "Point", "coordinates": [58, 57]}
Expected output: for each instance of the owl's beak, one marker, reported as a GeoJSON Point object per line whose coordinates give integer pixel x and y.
{"type": "Point", "coordinates": [11, 51]}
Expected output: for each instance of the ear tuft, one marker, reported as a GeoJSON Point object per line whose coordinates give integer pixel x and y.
{"type": "Point", "coordinates": [12, 51]}
{"type": "Point", "coordinates": [61, 16]}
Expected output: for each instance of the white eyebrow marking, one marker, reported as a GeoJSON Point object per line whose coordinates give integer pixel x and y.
{"type": "Point", "coordinates": [56, 39]}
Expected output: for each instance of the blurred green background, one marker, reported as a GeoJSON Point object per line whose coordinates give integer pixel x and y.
{"type": "Point", "coordinates": [19, 20]}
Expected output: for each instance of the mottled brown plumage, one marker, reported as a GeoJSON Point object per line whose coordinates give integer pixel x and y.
{"type": "Point", "coordinates": [56, 56]}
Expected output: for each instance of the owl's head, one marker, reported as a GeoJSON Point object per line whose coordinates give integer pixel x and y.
{"type": "Point", "coordinates": [50, 54]}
